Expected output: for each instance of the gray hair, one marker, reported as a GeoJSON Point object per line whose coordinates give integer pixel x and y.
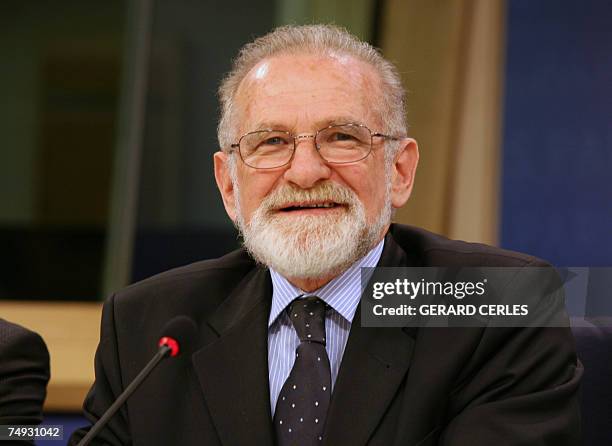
{"type": "Point", "coordinates": [316, 39]}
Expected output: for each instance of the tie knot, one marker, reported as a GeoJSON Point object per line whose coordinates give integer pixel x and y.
{"type": "Point", "coordinates": [308, 318]}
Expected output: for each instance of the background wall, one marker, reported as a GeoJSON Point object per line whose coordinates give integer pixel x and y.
{"type": "Point", "coordinates": [557, 145]}
{"type": "Point", "coordinates": [59, 85]}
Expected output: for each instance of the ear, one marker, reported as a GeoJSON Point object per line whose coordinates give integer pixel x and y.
{"type": "Point", "coordinates": [403, 171]}
{"type": "Point", "coordinates": [224, 183]}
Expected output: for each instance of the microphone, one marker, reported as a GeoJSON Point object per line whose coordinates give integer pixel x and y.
{"type": "Point", "coordinates": [177, 338]}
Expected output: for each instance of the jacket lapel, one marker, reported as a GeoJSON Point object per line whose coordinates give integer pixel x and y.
{"type": "Point", "coordinates": [374, 364]}
{"type": "Point", "coordinates": [232, 367]}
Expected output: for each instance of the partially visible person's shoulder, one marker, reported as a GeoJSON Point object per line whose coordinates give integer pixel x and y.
{"type": "Point", "coordinates": [14, 337]}
{"type": "Point", "coordinates": [24, 373]}
{"type": "Point", "coordinates": [436, 250]}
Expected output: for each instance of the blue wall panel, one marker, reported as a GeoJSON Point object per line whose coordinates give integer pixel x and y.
{"type": "Point", "coordinates": [557, 141]}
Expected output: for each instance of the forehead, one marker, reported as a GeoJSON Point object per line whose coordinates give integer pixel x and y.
{"type": "Point", "coordinates": [296, 91]}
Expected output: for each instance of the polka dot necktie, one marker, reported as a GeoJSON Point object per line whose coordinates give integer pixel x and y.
{"type": "Point", "coordinates": [302, 405]}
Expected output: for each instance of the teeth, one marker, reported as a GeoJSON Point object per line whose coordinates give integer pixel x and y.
{"type": "Point", "coordinates": [322, 205]}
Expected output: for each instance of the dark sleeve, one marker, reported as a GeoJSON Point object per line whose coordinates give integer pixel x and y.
{"type": "Point", "coordinates": [107, 387]}
{"type": "Point", "coordinates": [526, 394]}
{"type": "Point", "coordinates": [521, 387]}
{"type": "Point", "coordinates": [24, 373]}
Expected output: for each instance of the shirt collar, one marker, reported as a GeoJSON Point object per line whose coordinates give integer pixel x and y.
{"type": "Point", "coordinates": [342, 293]}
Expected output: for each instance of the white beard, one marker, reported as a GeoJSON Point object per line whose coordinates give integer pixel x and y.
{"type": "Point", "coordinates": [311, 246]}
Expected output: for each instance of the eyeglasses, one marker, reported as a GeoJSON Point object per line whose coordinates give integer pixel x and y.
{"type": "Point", "coordinates": [337, 144]}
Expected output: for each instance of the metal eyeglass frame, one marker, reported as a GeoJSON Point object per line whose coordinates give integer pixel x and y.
{"type": "Point", "coordinates": [236, 146]}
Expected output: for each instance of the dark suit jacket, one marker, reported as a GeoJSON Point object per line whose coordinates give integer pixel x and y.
{"type": "Point", "coordinates": [24, 373]}
{"type": "Point", "coordinates": [448, 386]}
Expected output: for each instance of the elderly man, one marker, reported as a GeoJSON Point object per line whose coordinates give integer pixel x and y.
{"type": "Point", "coordinates": [314, 160]}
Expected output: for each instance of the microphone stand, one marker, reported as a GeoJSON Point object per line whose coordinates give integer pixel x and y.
{"type": "Point", "coordinates": [162, 353]}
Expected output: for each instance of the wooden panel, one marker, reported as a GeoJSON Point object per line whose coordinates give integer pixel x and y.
{"type": "Point", "coordinates": [71, 331]}
{"type": "Point", "coordinates": [425, 41]}
{"type": "Point", "coordinates": [475, 193]}
{"type": "Point", "coordinates": [450, 57]}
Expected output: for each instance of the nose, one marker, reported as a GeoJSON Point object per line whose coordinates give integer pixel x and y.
{"type": "Point", "coordinates": [307, 167]}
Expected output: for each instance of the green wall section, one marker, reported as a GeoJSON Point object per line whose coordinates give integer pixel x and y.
{"type": "Point", "coordinates": [355, 15]}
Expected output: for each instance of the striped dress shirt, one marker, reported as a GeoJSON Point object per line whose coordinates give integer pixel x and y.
{"type": "Point", "coordinates": [342, 294]}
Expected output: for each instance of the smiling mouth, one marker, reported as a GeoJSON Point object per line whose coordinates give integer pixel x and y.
{"type": "Point", "coordinates": [311, 206]}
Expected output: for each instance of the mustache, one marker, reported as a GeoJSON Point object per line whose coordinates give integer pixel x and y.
{"type": "Point", "coordinates": [327, 191]}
